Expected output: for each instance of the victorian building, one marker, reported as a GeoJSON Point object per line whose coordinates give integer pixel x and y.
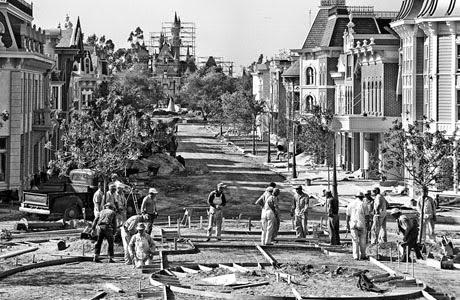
{"type": "Point", "coordinates": [24, 103]}
{"type": "Point", "coordinates": [366, 102]}
{"type": "Point", "coordinates": [429, 74]}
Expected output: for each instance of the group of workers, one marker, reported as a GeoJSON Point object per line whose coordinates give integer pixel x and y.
{"type": "Point", "coordinates": [366, 218]}
{"type": "Point", "coordinates": [138, 245]}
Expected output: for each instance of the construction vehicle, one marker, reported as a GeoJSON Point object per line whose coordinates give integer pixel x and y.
{"type": "Point", "coordinates": [63, 200]}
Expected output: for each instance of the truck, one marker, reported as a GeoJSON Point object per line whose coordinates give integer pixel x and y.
{"type": "Point", "coordinates": [65, 200]}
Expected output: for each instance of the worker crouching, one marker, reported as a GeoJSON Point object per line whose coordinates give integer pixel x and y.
{"type": "Point", "coordinates": [409, 228]}
{"type": "Point", "coordinates": [141, 247]}
{"type": "Point", "coordinates": [128, 230]}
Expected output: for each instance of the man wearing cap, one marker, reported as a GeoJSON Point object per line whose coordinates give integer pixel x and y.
{"type": "Point", "coordinates": [300, 210]}
{"type": "Point", "coordinates": [370, 206]}
{"type": "Point", "coordinates": [141, 247]}
{"type": "Point", "coordinates": [128, 230]}
{"type": "Point", "coordinates": [216, 201]}
{"type": "Point", "coordinates": [409, 228]}
{"type": "Point", "coordinates": [149, 207]}
{"type": "Point", "coordinates": [98, 199]}
{"type": "Point", "coordinates": [379, 222]}
{"type": "Point", "coordinates": [106, 225]}
{"type": "Point", "coordinates": [357, 215]}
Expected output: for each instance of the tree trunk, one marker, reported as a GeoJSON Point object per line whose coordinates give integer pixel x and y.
{"type": "Point", "coordinates": [268, 141]}
{"type": "Point", "coordinates": [422, 213]}
{"type": "Point", "coordinates": [105, 192]}
{"type": "Point", "coordinates": [334, 171]}
{"type": "Point", "coordinates": [254, 137]}
{"type": "Point", "coordinates": [221, 130]}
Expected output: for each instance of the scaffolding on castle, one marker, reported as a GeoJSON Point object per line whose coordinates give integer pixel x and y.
{"type": "Point", "coordinates": [187, 36]}
{"type": "Point", "coordinates": [226, 65]}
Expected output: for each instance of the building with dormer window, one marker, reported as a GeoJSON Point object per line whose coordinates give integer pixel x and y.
{"type": "Point", "coordinates": [24, 101]}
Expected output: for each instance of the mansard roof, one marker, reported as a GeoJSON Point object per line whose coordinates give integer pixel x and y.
{"type": "Point", "coordinates": [293, 70]}
{"type": "Point", "coordinates": [327, 31]}
{"type": "Point", "coordinates": [411, 9]}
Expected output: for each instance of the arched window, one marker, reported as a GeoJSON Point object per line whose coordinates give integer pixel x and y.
{"type": "Point", "coordinates": [87, 65]}
{"type": "Point", "coordinates": [309, 102]}
{"type": "Point", "coordinates": [310, 76]}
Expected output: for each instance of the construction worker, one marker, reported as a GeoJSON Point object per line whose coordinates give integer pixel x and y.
{"type": "Point", "coordinates": [141, 247]}
{"type": "Point", "coordinates": [98, 199]}
{"type": "Point", "coordinates": [370, 206]}
{"type": "Point", "coordinates": [300, 211]}
{"type": "Point", "coordinates": [105, 225]}
{"type": "Point", "coordinates": [110, 196]}
{"type": "Point", "coordinates": [379, 222]}
{"type": "Point", "coordinates": [332, 210]}
{"type": "Point", "coordinates": [429, 216]}
{"type": "Point", "coordinates": [409, 228]}
{"type": "Point", "coordinates": [268, 215]}
{"type": "Point", "coordinates": [216, 201]}
{"type": "Point", "coordinates": [149, 207]}
{"type": "Point", "coordinates": [129, 229]}
{"type": "Point", "coordinates": [357, 214]}
{"type": "Point", "coordinates": [122, 204]}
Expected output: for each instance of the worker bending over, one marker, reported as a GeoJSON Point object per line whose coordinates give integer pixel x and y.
{"type": "Point", "coordinates": [128, 230]}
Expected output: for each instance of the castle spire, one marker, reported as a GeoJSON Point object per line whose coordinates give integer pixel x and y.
{"type": "Point", "coordinates": [175, 17]}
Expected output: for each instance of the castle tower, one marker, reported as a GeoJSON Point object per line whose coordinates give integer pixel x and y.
{"type": "Point", "coordinates": [176, 41]}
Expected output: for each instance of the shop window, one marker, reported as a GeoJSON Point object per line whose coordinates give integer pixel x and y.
{"type": "Point", "coordinates": [2, 159]}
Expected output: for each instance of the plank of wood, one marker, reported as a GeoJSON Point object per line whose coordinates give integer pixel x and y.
{"type": "Point", "coordinates": [270, 259]}
{"type": "Point", "coordinates": [204, 268]}
{"type": "Point", "coordinates": [427, 295]}
{"type": "Point", "coordinates": [242, 286]}
{"type": "Point", "coordinates": [163, 260]}
{"type": "Point", "coordinates": [188, 270]}
{"type": "Point", "coordinates": [99, 295]}
{"type": "Point", "coordinates": [241, 268]}
{"type": "Point", "coordinates": [179, 274]}
{"type": "Point", "coordinates": [18, 252]}
{"type": "Point", "coordinates": [382, 266]}
{"type": "Point", "coordinates": [296, 294]}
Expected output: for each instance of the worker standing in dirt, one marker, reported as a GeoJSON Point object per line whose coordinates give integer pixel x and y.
{"type": "Point", "coordinates": [141, 247]}
{"type": "Point", "coordinates": [370, 206]}
{"type": "Point", "coordinates": [98, 199]}
{"type": "Point", "coordinates": [216, 201]}
{"type": "Point", "coordinates": [267, 217]}
{"type": "Point", "coordinates": [128, 230]}
{"type": "Point", "coordinates": [357, 214]}
{"type": "Point", "coordinates": [332, 210]}
{"type": "Point", "coordinates": [379, 222]}
{"type": "Point", "coordinates": [429, 216]}
{"type": "Point", "coordinates": [300, 211]}
{"type": "Point", "coordinates": [122, 204]}
{"type": "Point", "coordinates": [105, 225]}
{"type": "Point", "coordinates": [409, 228]}
{"type": "Point", "coordinates": [110, 196]}
{"type": "Point", "coordinates": [149, 207]}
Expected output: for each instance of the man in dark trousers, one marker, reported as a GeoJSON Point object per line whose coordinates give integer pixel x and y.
{"type": "Point", "coordinates": [105, 224]}
{"type": "Point", "coordinates": [409, 228]}
{"type": "Point", "coordinates": [216, 201]}
{"type": "Point", "coordinates": [332, 210]}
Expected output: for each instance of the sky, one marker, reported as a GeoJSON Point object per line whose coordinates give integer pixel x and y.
{"type": "Point", "coordinates": [238, 30]}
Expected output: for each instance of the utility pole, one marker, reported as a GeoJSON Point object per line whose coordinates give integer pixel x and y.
{"type": "Point", "coordinates": [268, 139]}
{"type": "Point", "coordinates": [335, 193]}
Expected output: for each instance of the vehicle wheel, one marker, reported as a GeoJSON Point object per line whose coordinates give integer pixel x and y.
{"type": "Point", "coordinates": [72, 212]}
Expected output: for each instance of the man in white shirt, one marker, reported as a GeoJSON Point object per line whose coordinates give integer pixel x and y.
{"type": "Point", "coordinates": [357, 214]}
{"type": "Point", "coordinates": [429, 216]}
{"type": "Point", "coordinates": [98, 199]}
{"type": "Point", "coordinates": [300, 211]}
{"type": "Point", "coordinates": [379, 223]}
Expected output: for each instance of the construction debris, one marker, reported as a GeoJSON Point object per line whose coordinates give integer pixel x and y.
{"type": "Point", "coordinates": [114, 288]}
{"type": "Point", "coordinates": [365, 284]}
{"type": "Point", "coordinates": [225, 280]}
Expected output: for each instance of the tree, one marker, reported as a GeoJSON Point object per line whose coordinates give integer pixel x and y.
{"type": "Point", "coordinates": [418, 151]}
{"type": "Point", "coordinates": [316, 136]}
{"type": "Point", "coordinates": [203, 90]}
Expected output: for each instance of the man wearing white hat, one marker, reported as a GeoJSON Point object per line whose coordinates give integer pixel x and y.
{"type": "Point", "coordinates": [128, 230]}
{"type": "Point", "coordinates": [141, 247]}
{"type": "Point", "coordinates": [357, 216]}
{"type": "Point", "coordinates": [216, 201]}
{"type": "Point", "coordinates": [300, 210]}
{"type": "Point", "coordinates": [149, 207]}
{"type": "Point", "coordinates": [409, 228]}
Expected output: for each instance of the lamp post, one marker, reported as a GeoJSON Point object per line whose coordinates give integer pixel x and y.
{"type": "Point", "coordinates": [294, 148]}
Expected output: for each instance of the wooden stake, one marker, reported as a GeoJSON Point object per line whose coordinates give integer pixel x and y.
{"type": "Point", "coordinates": [201, 222]}
{"type": "Point", "coordinates": [140, 285]}
{"type": "Point", "coordinates": [249, 224]}
{"type": "Point", "coordinates": [398, 254]}
{"type": "Point", "coordinates": [83, 250]}
{"type": "Point", "coordinates": [377, 250]}
{"type": "Point", "coordinates": [189, 222]}
{"type": "Point", "coordinates": [33, 258]}
{"type": "Point", "coordinates": [391, 254]}
{"type": "Point", "coordinates": [413, 267]}
{"type": "Point", "coordinates": [169, 221]}
{"type": "Point", "coordinates": [277, 276]}
{"type": "Point", "coordinates": [16, 261]}
{"type": "Point", "coordinates": [407, 259]}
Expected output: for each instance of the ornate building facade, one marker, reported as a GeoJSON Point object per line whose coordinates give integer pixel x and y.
{"type": "Point", "coordinates": [24, 103]}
